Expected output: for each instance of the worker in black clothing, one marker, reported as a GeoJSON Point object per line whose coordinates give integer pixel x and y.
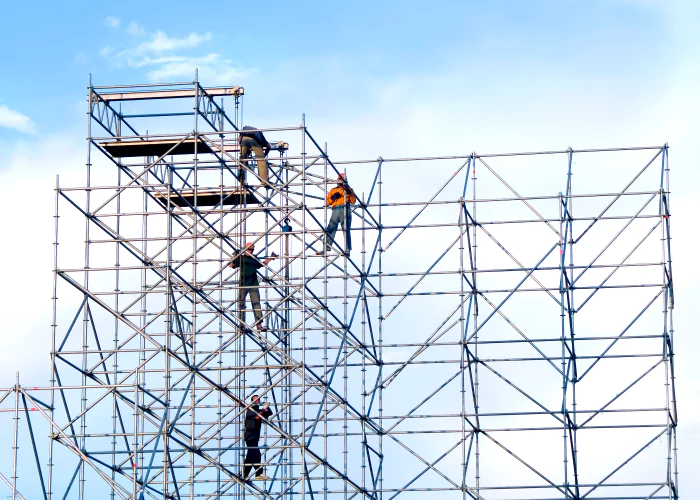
{"type": "Point", "coordinates": [254, 417]}
{"type": "Point", "coordinates": [252, 139]}
{"type": "Point", "coordinates": [248, 282]}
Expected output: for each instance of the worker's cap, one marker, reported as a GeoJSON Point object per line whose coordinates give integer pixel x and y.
{"type": "Point", "coordinates": [250, 245]}
{"type": "Point", "coordinates": [342, 177]}
{"type": "Point", "coordinates": [254, 397]}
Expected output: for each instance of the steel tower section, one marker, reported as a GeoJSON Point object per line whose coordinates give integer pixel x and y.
{"type": "Point", "coordinates": [501, 335]}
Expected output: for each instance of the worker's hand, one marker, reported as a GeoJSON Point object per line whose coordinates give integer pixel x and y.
{"type": "Point", "coordinates": [335, 196]}
{"type": "Point", "coordinates": [266, 405]}
{"type": "Point", "coordinates": [273, 255]}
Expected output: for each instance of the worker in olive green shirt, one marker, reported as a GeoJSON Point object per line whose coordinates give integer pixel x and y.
{"type": "Point", "coordinates": [248, 281]}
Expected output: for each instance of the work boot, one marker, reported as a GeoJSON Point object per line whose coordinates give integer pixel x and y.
{"type": "Point", "coordinates": [262, 477]}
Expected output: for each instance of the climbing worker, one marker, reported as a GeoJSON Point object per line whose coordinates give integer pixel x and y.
{"type": "Point", "coordinates": [341, 197]}
{"type": "Point", "coordinates": [254, 417]}
{"type": "Point", "coordinates": [252, 139]}
{"type": "Point", "coordinates": [248, 281]}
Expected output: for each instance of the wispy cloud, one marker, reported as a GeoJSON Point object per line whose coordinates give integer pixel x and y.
{"type": "Point", "coordinates": [212, 68]}
{"type": "Point", "coordinates": [112, 22]}
{"type": "Point", "coordinates": [10, 118]}
{"type": "Point", "coordinates": [135, 29]}
{"type": "Point", "coordinates": [160, 42]}
{"type": "Point", "coordinates": [165, 57]}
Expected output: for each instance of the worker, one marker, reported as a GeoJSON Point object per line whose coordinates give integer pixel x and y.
{"type": "Point", "coordinates": [252, 139]}
{"type": "Point", "coordinates": [341, 198]}
{"type": "Point", "coordinates": [254, 417]}
{"type": "Point", "coordinates": [248, 281]}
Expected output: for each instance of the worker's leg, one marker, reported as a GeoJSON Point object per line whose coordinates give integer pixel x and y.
{"type": "Point", "coordinates": [242, 292]}
{"type": "Point", "coordinates": [346, 222]}
{"type": "Point", "coordinates": [257, 310]}
{"type": "Point", "coordinates": [259, 468]}
{"type": "Point", "coordinates": [336, 217]}
{"type": "Point", "coordinates": [245, 152]}
{"type": "Point", "coordinates": [252, 457]}
{"type": "Point", "coordinates": [262, 161]}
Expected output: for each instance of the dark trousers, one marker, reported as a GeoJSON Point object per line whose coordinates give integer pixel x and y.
{"type": "Point", "coordinates": [253, 459]}
{"type": "Point", "coordinates": [340, 215]}
{"type": "Point", "coordinates": [248, 144]}
{"type": "Point", "coordinates": [254, 301]}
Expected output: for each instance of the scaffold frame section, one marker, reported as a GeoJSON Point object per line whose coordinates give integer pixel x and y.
{"type": "Point", "coordinates": [537, 363]}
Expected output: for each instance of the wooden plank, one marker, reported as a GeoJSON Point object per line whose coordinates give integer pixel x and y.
{"type": "Point", "coordinates": [169, 94]}
{"type": "Point", "coordinates": [209, 197]}
{"type": "Point", "coordinates": [155, 148]}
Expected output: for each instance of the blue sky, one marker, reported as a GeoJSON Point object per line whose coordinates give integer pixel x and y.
{"type": "Point", "coordinates": [632, 43]}
{"type": "Point", "coordinates": [391, 78]}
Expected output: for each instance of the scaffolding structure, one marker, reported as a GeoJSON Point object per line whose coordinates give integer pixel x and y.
{"type": "Point", "coordinates": [477, 342]}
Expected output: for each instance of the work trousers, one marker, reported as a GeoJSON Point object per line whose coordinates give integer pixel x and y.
{"type": "Point", "coordinates": [254, 300]}
{"type": "Point", "coordinates": [342, 215]}
{"type": "Point", "coordinates": [248, 144]}
{"type": "Point", "coordinates": [253, 459]}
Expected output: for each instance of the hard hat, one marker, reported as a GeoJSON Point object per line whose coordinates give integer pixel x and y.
{"type": "Point", "coordinates": [342, 176]}
{"type": "Point", "coordinates": [250, 244]}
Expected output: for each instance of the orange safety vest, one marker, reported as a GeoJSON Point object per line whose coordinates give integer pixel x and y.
{"type": "Point", "coordinates": [345, 197]}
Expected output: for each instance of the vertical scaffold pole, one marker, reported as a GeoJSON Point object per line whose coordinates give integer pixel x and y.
{"type": "Point", "coordinates": [462, 326]}
{"type": "Point", "coordinates": [54, 326]}
{"type": "Point", "coordinates": [477, 451]}
{"type": "Point", "coordinates": [304, 471]}
{"type": "Point", "coordinates": [195, 241]}
{"type": "Point", "coordinates": [380, 332]}
{"type": "Point", "coordinates": [562, 315]}
{"type": "Point", "coordinates": [362, 300]}
{"type": "Point", "coordinates": [15, 444]}
{"type": "Point", "coordinates": [86, 316]}
{"type": "Point", "coordinates": [325, 323]}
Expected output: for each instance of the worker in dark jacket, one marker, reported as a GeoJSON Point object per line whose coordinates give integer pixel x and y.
{"type": "Point", "coordinates": [254, 417]}
{"type": "Point", "coordinates": [252, 139]}
{"type": "Point", "coordinates": [340, 198]}
{"type": "Point", "coordinates": [248, 281]}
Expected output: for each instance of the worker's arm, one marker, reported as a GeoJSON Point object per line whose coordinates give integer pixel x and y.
{"type": "Point", "coordinates": [265, 145]}
{"type": "Point", "coordinates": [270, 258]}
{"type": "Point", "coordinates": [351, 196]}
{"type": "Point", "coordinates": [266, 412]}
{"type": "Point", "coordinates": [329, 197]}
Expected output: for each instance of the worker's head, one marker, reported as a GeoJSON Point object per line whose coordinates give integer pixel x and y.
{"type": "Point", "coordinates": [255, 399]}
{"type": "Point", "coordinates": [249, 247]}
{"type": "Point", "coordinates": [342, 179]}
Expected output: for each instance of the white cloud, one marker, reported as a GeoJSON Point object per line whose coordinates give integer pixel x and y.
{"type": "Point", "coordinates": [212, 69]}
{"type": "Point", "coordinates": [112, 22]}
{"type": "Point", "coordinates": [27, 257]}
{"type": "Point", "coordinates": [160, 42]}
{"type": "Point", "coordinates": [166, 57]}
{"type": "Point", "coordinates": [135, 29]}
{"type": "Point", "coordinates": [10, 118]}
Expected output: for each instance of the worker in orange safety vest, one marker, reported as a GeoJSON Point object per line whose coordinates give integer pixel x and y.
{"type": "Point", "coordinates": [341, 198]}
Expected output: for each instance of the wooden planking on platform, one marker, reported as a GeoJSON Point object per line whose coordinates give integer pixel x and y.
{"type": "Point", "coordinates": [209, 197]}
{"type": "Point", "coordinates": [135, 148]}
{"type": "Point", "coordinates": [140, 95]}
{"type": "Point", "coordinates": [156, 148]}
